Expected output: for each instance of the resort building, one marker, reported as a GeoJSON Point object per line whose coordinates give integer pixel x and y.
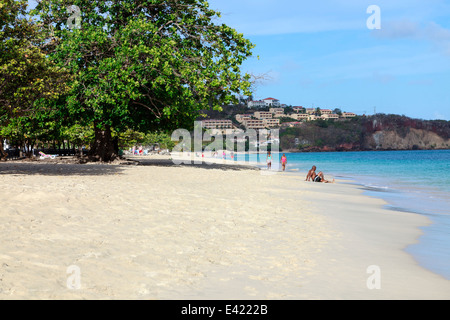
{"type": "Point", "coordinates": [217, 124]}
{"type": "Point", "coordinates": [298, 109]}
{"type": "Point", "coordinates": [242, 117]}
{"type": "Point", "coordinates": [279, 115]}
{"type": "Point", "coordinates": [272, 102]}
{"type": "Point", "coordinates": [274, 110]}
{"type": "Point", "coordinates": [262, 115]}
{"type": "Point", "coordinates": [254, 124]}
{"type": "Point", "coordinates": [329, 116]}
{"type": "Point", "coordinates": [310, 110]}
{"type": "Point", "coordinates": [268, 102]}
{"type": "Point", "coordinates": [326, 111]}
{"type": "Point", "coordinates": [277, 112]}
{"type": "Point", "coordinates": [271, 123]}
{"type": "Point", "coordinates": [348, 115]}
{"type": "Point", "coordinates": [299, 116]}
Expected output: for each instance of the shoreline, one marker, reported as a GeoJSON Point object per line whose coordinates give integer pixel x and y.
{"type": "Point", "coordinates": [361, 150]}
{"type": "Point", "coordinates": [416, 249]}
{"type": "Point", "coordinates": [201, 234]}
{"type": "Point", "coordinates": [428, 240]}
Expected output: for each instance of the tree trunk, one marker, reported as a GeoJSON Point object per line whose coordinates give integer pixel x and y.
{"type": "Point", "coordinates": [28, 149]}
{"type": "Point", "coordinates": [3, 154]}
{"type": "Point", "coordinates": [103, 147]}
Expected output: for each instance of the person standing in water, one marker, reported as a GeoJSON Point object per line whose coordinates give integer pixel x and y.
{"type": "Point", "coordinates": [269, 161]}
{"type": "Point", "coordinates": [283, 161]}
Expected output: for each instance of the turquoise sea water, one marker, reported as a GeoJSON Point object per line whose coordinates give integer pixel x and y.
{"type": "Point", "coordinates": [412, 181]}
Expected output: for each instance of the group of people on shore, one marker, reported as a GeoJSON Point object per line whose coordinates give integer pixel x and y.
{"type": "Point", "coordinates": [311, 176]}
{"type": "Point", "coordinates": [270, 158]}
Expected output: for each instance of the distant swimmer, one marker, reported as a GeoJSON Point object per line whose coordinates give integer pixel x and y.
{"type": "Point", "coordinates": [316, 177]}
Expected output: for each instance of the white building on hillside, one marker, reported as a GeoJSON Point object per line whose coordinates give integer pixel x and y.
{"type": "Point", "coordinates": [257, 104]}
{"type": "Point", "coordinates": [268, 102]}
{"type": "Point", "coordinates": [272, 102]}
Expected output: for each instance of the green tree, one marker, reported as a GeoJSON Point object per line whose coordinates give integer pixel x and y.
{"type": "Point", "coordinates": [162, 139]}
{"type": "Point", "coordinates": [130, 138]}
{"type": "Point", "coordinates": [26, 74]}
{"type": "Point", "coordinates": [288, 110]}
{"type": "Point", "coordinates": [79, 135]}
{"type": "Point", "coordinates": [144, 64]}
{"type": "Point", "coordinates": [337, 111]}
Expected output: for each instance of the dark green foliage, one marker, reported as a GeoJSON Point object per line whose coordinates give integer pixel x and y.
{"type": "Point", "coordinates": [147, 65]}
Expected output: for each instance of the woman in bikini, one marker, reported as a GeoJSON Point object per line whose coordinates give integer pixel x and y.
{"type": "Point", "coordinates": [283, 161]}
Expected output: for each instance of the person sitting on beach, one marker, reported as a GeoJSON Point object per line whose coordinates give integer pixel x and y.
{"type": "Point", "coordinates": [316, 177]}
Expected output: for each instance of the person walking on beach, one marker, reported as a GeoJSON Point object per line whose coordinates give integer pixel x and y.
{"type": "Point", "coordinates": [283, 161]}
{"type": "Point", "coordinates": [316, 177]}
{"type": "Point", "coordinates": [269, 161]}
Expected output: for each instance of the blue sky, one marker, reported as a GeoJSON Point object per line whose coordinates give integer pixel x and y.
{"type": "Point", "coordinates": [322, 54]}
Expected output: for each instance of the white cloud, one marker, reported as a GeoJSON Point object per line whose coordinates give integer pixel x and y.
{"type": "Point", "coordinates": [398, 29]}
{"type": "Point", "coordinates": [431, 32]}
{"type": "Point", "coordinates": [439, 36]}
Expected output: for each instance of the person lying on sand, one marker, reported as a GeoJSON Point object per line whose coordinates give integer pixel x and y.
{"type": "Point", "coordinates": [316, 177]}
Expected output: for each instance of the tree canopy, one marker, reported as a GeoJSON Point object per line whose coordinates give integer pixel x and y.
{"type": "Point", "coordinates": [26, 74]}
{"type": "Point", "coordinates": [141, 64]}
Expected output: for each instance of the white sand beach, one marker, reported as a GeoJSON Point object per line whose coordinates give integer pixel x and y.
{"type": "Point", "coordinates": [161, 231]}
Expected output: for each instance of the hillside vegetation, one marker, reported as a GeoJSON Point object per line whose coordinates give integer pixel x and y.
{"type": "Point", "coordinates": [376, 132]}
